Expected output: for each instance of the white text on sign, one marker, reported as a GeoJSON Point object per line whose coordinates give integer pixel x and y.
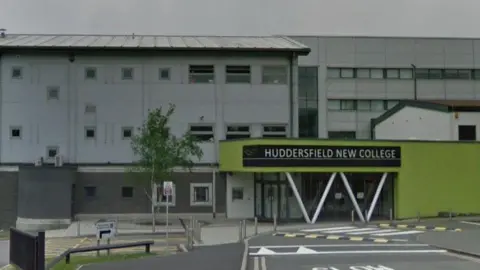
{"type": "Point", "coordinates": [353, 267]}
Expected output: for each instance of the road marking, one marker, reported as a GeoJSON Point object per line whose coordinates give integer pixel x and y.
{"type": "Point", "coordinates": [374, 231]}
{"type": "Point", "coordinates": [339, 252]}
{"type": "Point", "coordinates": [329, 229]}
{"type": "Point", "coordinates": [346, 245]}
{"type": "Point", "coordinates": [398, 233]}
{"type": "Point", "coordinates": [264, 263]}
{"type": "Point", "coordinates": [304, 250]}
{"type": "Point", "coordinates": [255, 263]}
{"type": "Point", "coordinates": [471, 223]}
{"type": "Point", "coordinates": [352, 230]}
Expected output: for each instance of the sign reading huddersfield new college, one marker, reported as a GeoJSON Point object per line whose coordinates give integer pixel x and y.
{"type": "Point", "coordinates": [320, 156]}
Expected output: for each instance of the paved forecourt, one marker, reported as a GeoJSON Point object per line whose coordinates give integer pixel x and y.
{"type": "Point", "coordinates": [343, 255]}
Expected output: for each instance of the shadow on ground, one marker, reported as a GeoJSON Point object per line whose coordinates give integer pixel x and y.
{"type": "Point", "coordinates": [222, 257]}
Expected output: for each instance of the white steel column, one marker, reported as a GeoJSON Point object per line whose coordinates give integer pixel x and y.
{"type": "Point", "coordinates": [352, 197]}
{"type": "Point", "coordinates": [324, 197]}
{"type": "Point", "coordinates": [377, 194]}
{"type": "Point", "coordinates": [297, 195]}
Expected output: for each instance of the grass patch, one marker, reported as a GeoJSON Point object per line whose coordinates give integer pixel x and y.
{"type": "Point", "coordinates": [78, 260]}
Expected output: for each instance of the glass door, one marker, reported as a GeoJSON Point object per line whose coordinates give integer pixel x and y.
{"type": "Point", "coordinates": [270, 199]}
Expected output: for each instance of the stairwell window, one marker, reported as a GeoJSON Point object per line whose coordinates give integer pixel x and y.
{"type": "Point", "coordinates": [17, 73]}
{"type": "Point", "coordinates": [238, 74]}
{"type": "Point", "coordinates": [237, 132]}
{"type": "Point", "coordinates": [203, 133]}
{"type": "Point", "coordinates": [274, 131]}
{"type": "Point", "coordinates": [201, 74]}
{"type": "Point", "coordinates": [274, 75]}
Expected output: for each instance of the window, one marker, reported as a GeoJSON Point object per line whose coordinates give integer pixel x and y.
{"type": "Point", "coordinates": [52, 151]}
{"type": "Point", "coordinates": [391, 104]}
{"type": "Point", "coordinates": [333, 73]}
{"type": "Point", "coordinates": [476, 74]}
{"type": "Point", "coordinates": [462, 74]}
{"type": "Point", "coordinates": [201, 74]}
{"type": "Point", "coordinates": [201, 194]}
{"type": "Point", "coordinates": [203, 133]}
{"type": "Point", "coordinates": [369, 73]}
{"type": "Point", "coordinates": [161, 199]}
{"type": "Point", "coordinates": [275, 131]}
{"type": "Point", "coordinates": [127, 74]}
{"type": "Point", "coordinates": [467, 133]}
{"type": "Point", "coordinates": [370, 105]}
{"type": "Point", "coordinates": [127, 132]}
{"type": "Point", "coordinates": [164, 74]}
{"type": "Point", "coordinates": [238, 74]}
{"type": "Point", "coordinates": [89, 108]}
{"type": "Point", "coordinates": [393, 73]}
{"type": "Point", "coordinates": [341, 105]}
{"type": "Point", "coordinates": [127, 192]}
{"type": "Point", "coordinates": [237, 193]}
{"type": "Point", "coordinates": [17, 73]}
{"type": "Point", "coordinates": [15, 132]}
{"type": "Point", "coordinates": [53, 92]}
{"type": "Point", "coordinates": [274, 75]}
{"type": "Point", "coordinates": [90, 191]}
{"type": "Point", "coordinates": [342, 135]}
{"type": "Point", "coordinates": [406, 73]}
{"type": "Point", "coordinates": [238, 132]}
{"type": "Point", "coordinates": [422, 73]}
{"type": "Point", "coordinates": [90, 73]}
{"type": "Point", "coordinates": [90, 132]}
{"type": "Point", "coordinates": [347, 73]}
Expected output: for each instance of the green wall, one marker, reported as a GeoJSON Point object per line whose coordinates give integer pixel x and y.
{"type": "Point", "coordinates": [434, 177]}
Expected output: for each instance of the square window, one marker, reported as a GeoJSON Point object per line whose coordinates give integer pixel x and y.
{"type": "Point", "coordinates": [90, 191]}
{"type": "Point", "coordinates": [274, 75]}
{"type": "Point", "coordinates": [15, 132]}
{"type": "Point", "coordinates": [393, 73]}
{"type": "Point", "coordinates": [237, 193]}
{"type": "Point", "coordinates": [17, 73]}
{"type": "Point", "coordinates": [52, 151]}
{"type": "Point", "coordinates": [201, 73]}
{"type": "Point", "coordinates": [90, 73]}
{"type": "Point", "coordinates": [363, 105]}
{"type": "Point", "coordinates": [127, 73]}
{"type": "Point", "coordinates": [348, 105]}
{"type": "Point", "coordinates": [347, 73]}
{"type": "Point", "coordinates": [363, 73]}
{"type": "Point", "coordinates": [201, 194]}
{"type": "Point", "coordinates": [53, 92]}
{"type": "Point", "coordinates": [164, 74]}
{"type": "Point", "coordinates": [376, 73]}
{"type": "Point", "coordinates": [90, 108]}
{"type": "Point", "coordinates": [203, 133]}
{"type": "Point", "coordinates": [127, 192]}
{"type": "Point", "coordinates": [90, 132]}
{"type": "Point", "coordinates": [406, 73]}
{"type": "Point", "coordinates": [127, 132]}
{"type": "Point", "coordinates": [377, 105]}
{"type": "Point", "coordinates": [333, 105]}
{"type": "Point", "coordinates": [237, 74]}
{"type": "Point", "coordinates": [333, 73]}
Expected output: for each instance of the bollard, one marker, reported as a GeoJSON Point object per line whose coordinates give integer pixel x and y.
{"type": "Point", "coordinates": [366, 216]}
{"type": "Point", "coordinates": [353, 216]}
{"type": "Point", "coordinates": [78, 227]}
{"type": "Point", "coordinates": [108, 250]}
{"type": "Point", "coordinates": [199, 231]}
{"type": "Point", "coordinates": [391, 214]}
{"type": "Point", "coordinates": [240, 232]}
{"type": "Point", "coordinates": [98, 244]}
{"type": "Point", "coordinates": [244, 229]}
{"type": "Point", "coordinates": [255, 225]}
{"type": "Point", "coordinates": [450, 214]}
{"type": "Point", "coordinates": [274, 222]}
{"type": "Point", "coordinates": [190, 240]}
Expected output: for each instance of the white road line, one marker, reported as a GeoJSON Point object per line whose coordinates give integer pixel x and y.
{"type": "Point", "coordinates": [398, 233]}
{"type": "Point", "coordinates": [374, 231]}
{"type": "Point", "coordinates": [328, 229]}
{"type": "Point", "coordinates": [471, 223]}
{"type": "Point", "coordinates": [263, 262]}
{"type": "Point", "coordinates": [339, 252]}
{"type": "Point", "coordinates": [255, 263]}
{"type": "Point", "coordinates": [345, 245]}
{"type": "Point", "coordinates": [353, 230]}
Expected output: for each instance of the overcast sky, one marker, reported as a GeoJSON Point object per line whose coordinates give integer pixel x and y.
{"type": "Point", "coordinates": [445, 18]}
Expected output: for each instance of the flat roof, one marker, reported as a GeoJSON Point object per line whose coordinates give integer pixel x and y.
{"type": "Point", "coordinates": [154, 42]}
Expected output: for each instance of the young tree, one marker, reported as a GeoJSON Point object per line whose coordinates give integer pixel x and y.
{"type": "Point", "coordinates": [159, 151]}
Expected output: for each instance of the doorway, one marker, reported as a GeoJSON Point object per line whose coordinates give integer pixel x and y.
{"type": "Point", "coordinates": [273, 197]}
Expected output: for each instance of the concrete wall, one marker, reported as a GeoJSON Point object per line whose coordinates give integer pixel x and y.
{"type": "Point", "coordinates": [383, 53]}
{"type": "Point", "coordinates": [61, 123]}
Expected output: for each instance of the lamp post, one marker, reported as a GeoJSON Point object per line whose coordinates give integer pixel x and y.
{"type": "Point", "coordinates": [414, 71]}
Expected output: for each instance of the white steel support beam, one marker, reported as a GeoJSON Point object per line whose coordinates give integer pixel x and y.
{"type": "Point", "coordinates": [297, 196]}
{"type": "Point", "coordinates": [377, 195]}
{"type": "Point", "coordinates": [352, 197]}
{"type": "Point", "coordinates": [324, 197]}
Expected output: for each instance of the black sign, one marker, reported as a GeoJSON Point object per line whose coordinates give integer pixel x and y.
{"type": "Point", "coordinates": [320, 156]}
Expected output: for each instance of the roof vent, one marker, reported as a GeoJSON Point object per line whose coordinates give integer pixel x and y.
{"type": "Point", "coordinates": [3, 33]}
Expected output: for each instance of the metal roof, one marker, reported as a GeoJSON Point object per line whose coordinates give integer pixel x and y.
{"type": "Point", "coordinates": [149, 42]}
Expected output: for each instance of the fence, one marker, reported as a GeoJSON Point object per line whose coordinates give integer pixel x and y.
{"type": "Point", "coordinates": [27, 251]}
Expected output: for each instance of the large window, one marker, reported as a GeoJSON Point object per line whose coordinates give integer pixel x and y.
{"type": "Point", "coordinates": [423, 73]}
{"type": "Point", "coordinates": [237, 132]}
{"type": "Point", "coordinates": [203, 133]}
{"type": "Point", "coordinates": [460, 74]}
{"type": "Point", "coordinates": [202, 74]}
{"type": "Point", "coordinates": [341, 105]}
{"type": "Point", "coordinates": [336, 73]}
{"type": "Point", "coordinates": [274, 75]}
{"type": "Point", "coordinates": [370, 73]}
{"type": "Point", "coordinates": [308, 102]}
{"type": "Point", "coordinates": [238, 74]}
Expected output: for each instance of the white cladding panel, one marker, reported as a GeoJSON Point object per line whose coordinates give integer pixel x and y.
{"type": "Point", "coordinates": [418, 124]}
{"type": "Point", "coordinates": [125, 103]}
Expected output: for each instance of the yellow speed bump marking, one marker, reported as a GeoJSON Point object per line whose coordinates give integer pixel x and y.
{"type": "Point", "coordinates": [356, 238]}
{"type": "Point", "coordinates": [313, 235]}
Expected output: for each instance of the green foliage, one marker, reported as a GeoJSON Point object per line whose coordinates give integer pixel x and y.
{"type": "Point", "coordinates": [159, 151]}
